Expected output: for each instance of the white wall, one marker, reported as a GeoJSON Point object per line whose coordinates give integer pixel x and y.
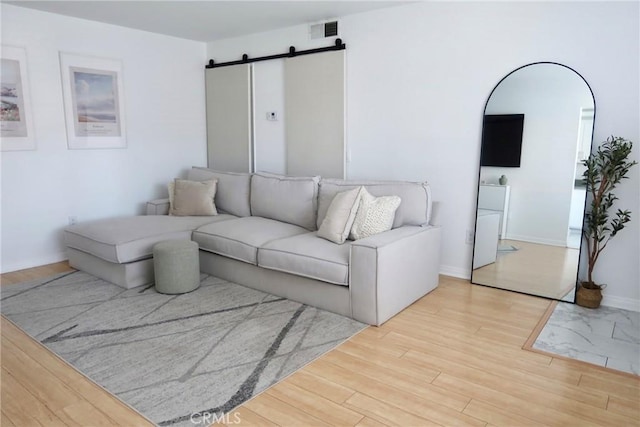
{"type": "Point", "coordinates": [550, 97]}
{"type": "Point", "coordinates": [268, 96]}
{"type": "Point", "coordinates": [578, 199]}
{"type": "Point", "coordinates": [418, 77]}
{"type": "Point", "coordinates": [165, 114]}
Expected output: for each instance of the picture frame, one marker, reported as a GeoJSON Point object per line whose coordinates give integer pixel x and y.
{"type": "Point", "coordinates": [93, 102]}
{"type": "Point", "coordinates": [16, 117]}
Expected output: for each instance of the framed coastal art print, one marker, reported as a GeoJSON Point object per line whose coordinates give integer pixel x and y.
{"type": "Point", "coordinates": [16, 120]}
{"type": "Point", "coordinates": [93, 102]}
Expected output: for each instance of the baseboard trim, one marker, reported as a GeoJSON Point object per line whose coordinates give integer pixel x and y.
{"type": "Point", "coordinates": [460, 273]}
{"type": "Point", "coordinates": [621, 302]}
{"type": "Point", "coordinates": [34, 262]}
{"type": "Point", "coordinates": [530, 239]}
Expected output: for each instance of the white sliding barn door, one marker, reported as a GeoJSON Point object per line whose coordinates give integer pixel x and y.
{"type": "Point", "coordinates": [315, 114]}
{"type": "Point", "coordinates": [229, 130]}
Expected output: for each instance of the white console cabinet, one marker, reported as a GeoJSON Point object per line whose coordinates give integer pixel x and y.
{"type": "Point", "coordinates": [496, 198]}
{"type": "Point", "coordinates": [486, 242]}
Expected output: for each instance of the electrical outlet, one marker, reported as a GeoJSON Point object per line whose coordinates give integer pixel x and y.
{"type": "Point", "coordinates": [73, 220]}
{"type": "Point", "coordinates": [469, 238]}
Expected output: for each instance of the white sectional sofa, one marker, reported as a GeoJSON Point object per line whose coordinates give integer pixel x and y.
{"type": "Point", "coordinates": [265, 237]}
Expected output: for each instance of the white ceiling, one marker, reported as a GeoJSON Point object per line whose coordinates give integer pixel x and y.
{"type": "Point", "coordinates": [205, 20]}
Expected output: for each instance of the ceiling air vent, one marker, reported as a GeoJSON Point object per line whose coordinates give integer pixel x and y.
{"type": "Point", "coordinates": [323, 30]}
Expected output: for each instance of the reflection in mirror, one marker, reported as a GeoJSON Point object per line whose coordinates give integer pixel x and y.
{"type": "Point", "coordinates": [537, 128]}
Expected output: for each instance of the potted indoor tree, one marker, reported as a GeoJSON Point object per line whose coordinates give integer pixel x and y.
{"type": "Point", "coordinates": [605, 169]}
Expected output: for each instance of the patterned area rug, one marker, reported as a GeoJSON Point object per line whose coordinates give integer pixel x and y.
{"type": "Point", "coordinates": [174, 357]}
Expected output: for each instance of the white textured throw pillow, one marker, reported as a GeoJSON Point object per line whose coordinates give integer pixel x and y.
{"type": "Point", "coordinates": [375, 215]}
{"type": "Point", "coordinates": [193, 198]}
{"type": "Point", "coordinates": [337, 223]}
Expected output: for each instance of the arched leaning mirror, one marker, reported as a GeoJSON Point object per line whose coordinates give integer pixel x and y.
{"type": "Point", "coordinates": [537, 128]}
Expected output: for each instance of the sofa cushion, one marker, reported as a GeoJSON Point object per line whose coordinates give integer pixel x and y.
{"type": "Point", "coordinates": [308, 255]}
{"type": "Point", "coordinates": [415, 208]}
{"type": "Point", "coordinates": [232, 195]}
{"type": "Point", "coordinates": [241, 238]}
{"type": "Point", "coordinates": [284, 198]}
{"type": "Point", "coordinates": [127, 239]}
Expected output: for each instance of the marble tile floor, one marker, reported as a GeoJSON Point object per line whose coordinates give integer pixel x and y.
{"type": "Point", "coordinates": [605, 336]}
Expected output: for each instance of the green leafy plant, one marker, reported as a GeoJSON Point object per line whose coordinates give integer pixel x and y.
{"type": "Point", "coordinates": [605, 169]}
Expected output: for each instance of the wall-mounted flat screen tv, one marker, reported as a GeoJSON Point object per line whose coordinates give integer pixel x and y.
{"type": "Point", "coordinates": [502, 140]}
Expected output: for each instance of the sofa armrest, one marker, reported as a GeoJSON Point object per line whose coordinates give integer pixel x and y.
{"type": "Point", "coordinates": [391, 270]}
{"type": "Point", "coordinates": [158, 207]}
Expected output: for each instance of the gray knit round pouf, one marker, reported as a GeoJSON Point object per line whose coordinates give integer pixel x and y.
{"type": "Point", "coordinates": [176, 265]}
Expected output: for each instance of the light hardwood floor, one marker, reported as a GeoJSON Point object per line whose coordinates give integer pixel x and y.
{"type": "Point", "coordinates": [37, 388]}
{"type": "Point", "coordinates": [543, 270]}
{"type": "Point", "coordinates": [454, 357]}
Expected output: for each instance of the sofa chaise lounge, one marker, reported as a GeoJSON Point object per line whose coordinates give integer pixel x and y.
{"type": "Point", "coordinates": [265, 237]}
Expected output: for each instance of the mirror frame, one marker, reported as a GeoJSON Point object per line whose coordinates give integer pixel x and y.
{"type": "Point", "coordinates": [480, 172]}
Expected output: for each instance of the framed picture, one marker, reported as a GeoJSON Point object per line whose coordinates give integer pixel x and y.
{"type": "Point", "coordinates": [93, 102]}
{"type": "Point", "coordinates": [16, 119]}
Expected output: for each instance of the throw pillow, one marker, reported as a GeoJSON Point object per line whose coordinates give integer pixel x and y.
{"type": "Point", "coordinates": [171, 187]}
{"type": "Point", "coordinates": [193, 198]}
{"type": "Point", "coordinates": [342, 212]}
{"type": "Point", "coordinates": [375, 215]}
